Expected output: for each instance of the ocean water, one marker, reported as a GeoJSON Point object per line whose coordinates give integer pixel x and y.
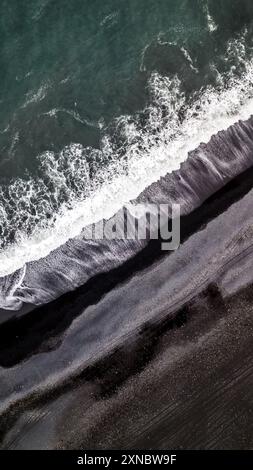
{"type": "Point", "coordinates": [101, 99]}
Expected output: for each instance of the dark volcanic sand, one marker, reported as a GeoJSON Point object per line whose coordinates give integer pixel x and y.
{"type": "Point", "coordinates": [195, 393]}
{"type": "Point", "coordinates": [183, 384]}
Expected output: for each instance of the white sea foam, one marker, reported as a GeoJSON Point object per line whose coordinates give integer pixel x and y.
{"type": "Point", "coordinates": [212, 26]}
{"type": "Point", "coordinates": [148, 154]}
{"type": "Point", "coordinates": [37, 95]}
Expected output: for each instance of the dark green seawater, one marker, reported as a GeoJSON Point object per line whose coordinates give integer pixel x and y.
{"type": "Point", "coordinates": [70, 69]}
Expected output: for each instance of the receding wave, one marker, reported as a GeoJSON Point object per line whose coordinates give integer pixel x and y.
{"type": "Point", "coordinates": [42, 252]}
{"type": "Point", "coordinates": [205, 171]}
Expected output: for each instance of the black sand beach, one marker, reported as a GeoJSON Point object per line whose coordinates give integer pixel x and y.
{"type": "Point", "coordinates": [173, 368]}
{"type": "Point", "coordinates": [110, 108]}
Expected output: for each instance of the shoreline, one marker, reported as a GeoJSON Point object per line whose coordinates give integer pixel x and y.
{"type": "Point", "coordinates": [55, 317]}
{"type": "Point", "coordinates": [205, 325]}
